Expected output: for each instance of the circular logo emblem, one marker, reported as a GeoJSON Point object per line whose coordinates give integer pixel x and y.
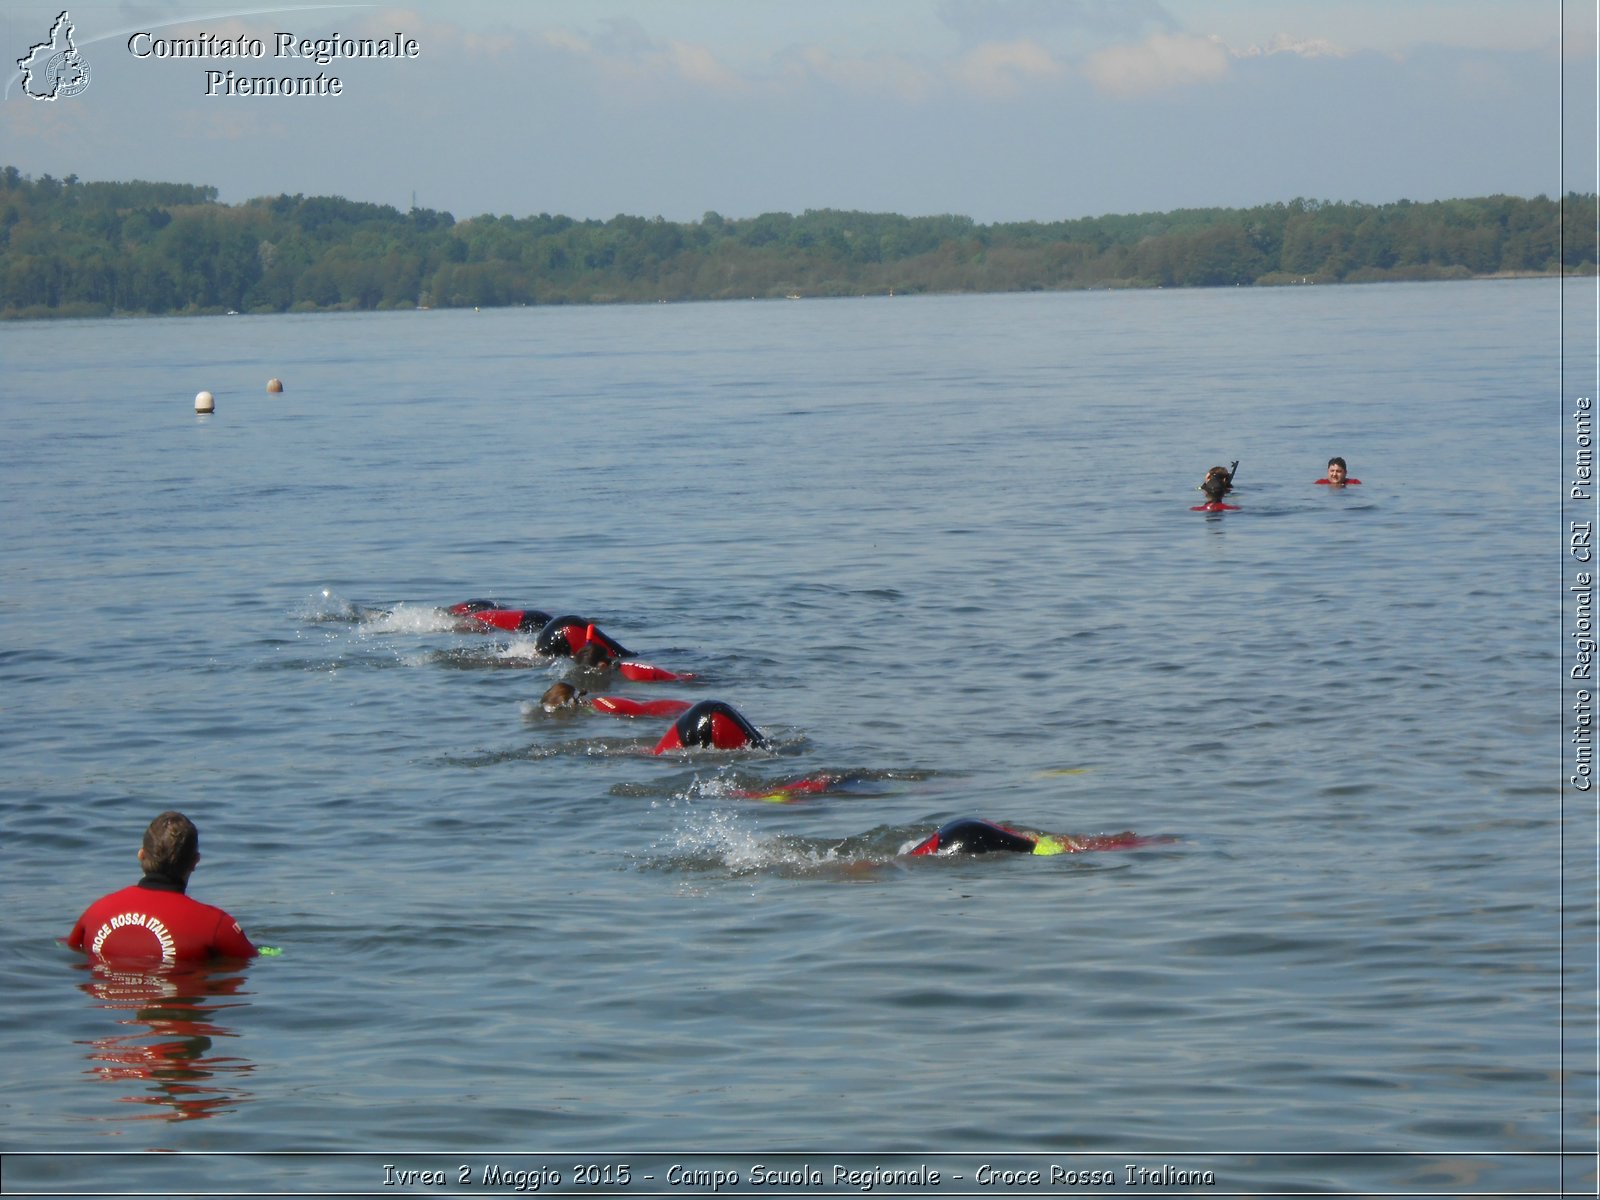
{"type": "Point", "coordinates": [70, 75]}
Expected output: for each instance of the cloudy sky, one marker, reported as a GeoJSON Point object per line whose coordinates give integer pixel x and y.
{"type": "Point", "coordinates": [997, 109]}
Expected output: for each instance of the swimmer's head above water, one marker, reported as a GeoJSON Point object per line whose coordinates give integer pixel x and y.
{"type": "Point", "coordinates": [600, 657]}
{"type": "Point", "coordinates": [559, 696]}
{"type": "Point", "coordinates": [1217, 483]}
{"type": "Point", "coordinates": [593, 657]}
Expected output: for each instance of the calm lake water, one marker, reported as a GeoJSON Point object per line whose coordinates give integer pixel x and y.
{"type": "Point", "coordinates": [942, 546]}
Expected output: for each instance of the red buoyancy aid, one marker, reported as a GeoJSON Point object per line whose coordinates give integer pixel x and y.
{"type": "Point", "coordinates": [621, 706]}
{"type": "Point", "coordinates": [513, 620]}
{"type": "Point", "coordinates": [808, 785]}
{"type": "Point", "coordinates": [1117, 841]}
{"type": "Point", "coordinates": [644, 673]}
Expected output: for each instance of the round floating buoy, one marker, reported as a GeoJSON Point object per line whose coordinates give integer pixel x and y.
{"type": "Point", "coordinates": [274, 385]}
{"type": "Point", "coordinates": [204, 402]}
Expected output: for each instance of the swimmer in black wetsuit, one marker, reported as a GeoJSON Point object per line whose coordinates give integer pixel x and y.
{"type": "Point", "coordinates": [569, 636]}
{"type": "Point", "coordinates": [713, 725]}
{"type": "Point", "coordinates": [969, 835]}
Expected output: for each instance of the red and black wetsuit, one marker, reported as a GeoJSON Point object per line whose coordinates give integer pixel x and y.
{"type": "Point", "coordinates": [565, 636]}
{"type": "Point", "coordinates": [711, 724]}
{"type": "Point", "coordinates": [1215, 506]}
{"type": "Point", "coordinates": [153, 920]}
{"type": "Point", "coordinates": [513, 620]}
{"type": "Point", "coordinates": [969, 835]}
{"type": "Point", "coordinates": [467, 607]}
{"type": "Point", "coordinates": [479, 613]}
{"type": "Point", "coordinates": [1347, 482]}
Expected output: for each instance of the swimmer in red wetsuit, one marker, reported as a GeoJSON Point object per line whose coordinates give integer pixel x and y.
{"type": "Point", "coordinates": [154, 921]}
{"type": "Point", "coordinates": [1338, 474]}
{"type": "Point", "coordinates": [969, 835]}
{"type": "Point", "coordinates": [1217, 484]}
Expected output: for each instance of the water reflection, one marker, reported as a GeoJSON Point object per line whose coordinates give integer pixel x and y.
{"type": "Point", "coordinates": [165, 1052]}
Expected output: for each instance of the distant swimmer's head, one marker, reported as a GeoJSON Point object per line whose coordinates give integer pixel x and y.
{"type": "Point", "coordinates": [593, 657]}
{"type": "Point", "coordinates": [471, 606]}
{"type": "Point", "coordinates": [1217, 483]}
{"type": "Point", "coordinates": [559, 696]}
{"type": "Point", "coordinates": [1338, 471]}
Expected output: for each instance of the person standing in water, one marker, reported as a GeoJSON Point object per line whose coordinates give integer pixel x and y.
{"type": "Point", "coordinates": [155, 920]}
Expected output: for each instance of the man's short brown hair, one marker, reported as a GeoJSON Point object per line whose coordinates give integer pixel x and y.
{"type": "Point", "coordinates": [171, 846]}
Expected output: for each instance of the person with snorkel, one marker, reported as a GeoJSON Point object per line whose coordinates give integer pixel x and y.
{"type": "Point", "coordinates": [1217, 484]}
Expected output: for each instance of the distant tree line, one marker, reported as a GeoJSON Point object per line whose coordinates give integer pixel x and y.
{"type": "Point", "coordinates": [70, 248]}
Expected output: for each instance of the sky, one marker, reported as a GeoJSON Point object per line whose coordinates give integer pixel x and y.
{"type": "Point", "coordinates": [1000, 110]}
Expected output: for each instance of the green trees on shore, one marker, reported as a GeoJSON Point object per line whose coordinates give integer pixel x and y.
{"type": "Point", "coordinates": [69, 248]}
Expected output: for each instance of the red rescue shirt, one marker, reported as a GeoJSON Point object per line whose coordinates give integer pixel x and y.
{"type": "Point", "coordinates": [153, 920]}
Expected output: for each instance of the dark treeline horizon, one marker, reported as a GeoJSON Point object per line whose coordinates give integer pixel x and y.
{"type": "Point", "coordinates": [71, 248]}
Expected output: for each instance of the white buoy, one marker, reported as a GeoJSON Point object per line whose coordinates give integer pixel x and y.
{"type": "Point", "coordinates": [274, 385]}
{"type": "Point", "coordinates": [204, 402]}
